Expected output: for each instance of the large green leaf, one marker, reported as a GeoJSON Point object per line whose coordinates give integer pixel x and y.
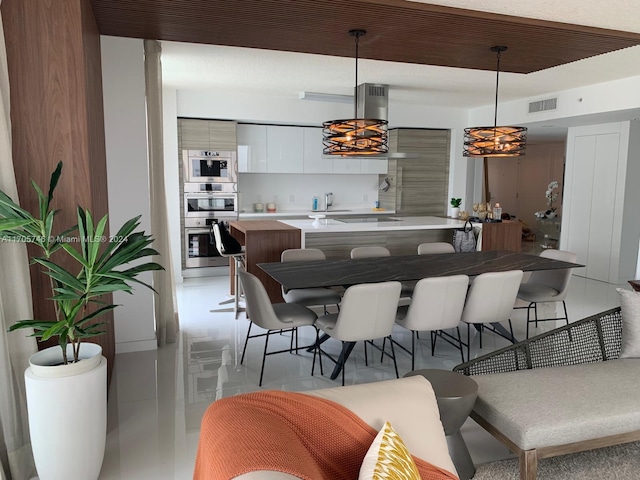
{"type": "Point", "coordinates": [8, 224]}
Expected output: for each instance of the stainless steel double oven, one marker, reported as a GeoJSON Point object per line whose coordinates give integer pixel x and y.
{"type": "Point", "coordinates": [204, 205]}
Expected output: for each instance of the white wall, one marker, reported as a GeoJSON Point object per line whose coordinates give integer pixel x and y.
{"type": "Point", "coordinates": [127, 176]}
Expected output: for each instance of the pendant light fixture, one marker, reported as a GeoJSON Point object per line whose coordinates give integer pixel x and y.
{"type": "Point", "coordinates": [495, 141]}
{"type": "Point", "coordinates": [356, 136]}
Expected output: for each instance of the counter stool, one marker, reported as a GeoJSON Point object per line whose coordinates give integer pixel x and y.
{"type": "Point", "coordinates": [238, 259]}
{"type": "Point", "coordinates": [456, 395]}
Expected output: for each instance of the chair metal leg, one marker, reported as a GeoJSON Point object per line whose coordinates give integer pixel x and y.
{"type": "Point", "coordinates": [344, 351]}
{"type": "Point", "coordinates": [264, 357]}
{"type": "Point", "coordinates": [317, 350]}
{"type": "Point", "coordinates": [535, 311]}
{"type": "Point", "coordinates": [393, 355]}
{"type": "Point", "coordinates": [434, 339]}
{"type": "Point", "coordinates": [460, 343]}
{"type": "Point", "coordinates": [413, 351]}
{"type": "Point", "coordinates": [244, 350]}
{"type": "Point", "coordinates": [481, 328]}
{"type": "Point", "coordinates": [511, 331]}
{"type": "Point", "coordinates": [566, 315]}
{"type": "Point", "coordinates": [528, 317]}
{"type": "Point", "coordinates": [468, 342]}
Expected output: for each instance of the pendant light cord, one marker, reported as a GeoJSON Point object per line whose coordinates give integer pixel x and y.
{"type": "Point", "coordinates": [355, 106]}
{"type": "Point", "coordinates": [495, 114]}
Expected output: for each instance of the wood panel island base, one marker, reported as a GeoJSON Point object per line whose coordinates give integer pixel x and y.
{"type": "Point", "coordinates": [264, 241]}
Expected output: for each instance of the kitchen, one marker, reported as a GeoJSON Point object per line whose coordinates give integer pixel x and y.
{"type": "Point", "coordinates": [186, 95]}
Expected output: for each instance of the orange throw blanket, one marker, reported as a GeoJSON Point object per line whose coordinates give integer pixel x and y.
{"type": "Point", "coordinates": [309, 437]}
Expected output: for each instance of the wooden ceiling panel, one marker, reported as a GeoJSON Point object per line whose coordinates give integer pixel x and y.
{"type": "Point", "coordinates": [397, 30]}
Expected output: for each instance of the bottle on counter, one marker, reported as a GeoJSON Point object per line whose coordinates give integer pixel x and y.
{"type": "Point", "coordinates": [314, 204]}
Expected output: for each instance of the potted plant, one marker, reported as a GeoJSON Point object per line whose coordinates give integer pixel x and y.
{"type": "Point", "coordinates": [455, 207]}
{"type": "Point", "coordinates": [66, 385]}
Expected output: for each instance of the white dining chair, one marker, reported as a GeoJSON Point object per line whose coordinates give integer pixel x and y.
{"type": "Point", "coordinates": [367, 313]}
{"type": "Point", "coordinates": [490, 300]}
{"type": "Point", "coordinates": [308, 296]}
{"type": "Point", "coordinates": [369, 252]}
{"type": "Point", "coordinates": [436, 306]}
{"type": "Point", "coordinates": [546, 286]}
{"type": "Point", "coordinates": [274, 318]}
{"type": "Point", "coordinates": [435, 247]}
{"type": "Point", "coordinates": [376, 251]}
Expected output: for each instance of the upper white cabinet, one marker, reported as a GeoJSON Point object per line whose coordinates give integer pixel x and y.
{"type": "Point", "coordinates": [252, 148]}
{"type": "Point", "coordinates": [312, 159]}
{"type": "Point", "coordinates": [284, 149]}
{"type": "Point", "coordinates": [377, 165]}
{"type": "Point", "coordinates": [346, 165]}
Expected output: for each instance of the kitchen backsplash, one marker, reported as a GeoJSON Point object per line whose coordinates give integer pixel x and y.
{"type": "Point", "coordinates": [296, 192]}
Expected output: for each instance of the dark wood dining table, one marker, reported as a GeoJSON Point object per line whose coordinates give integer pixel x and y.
{"type": "Point", "coordinates": [403, 268]}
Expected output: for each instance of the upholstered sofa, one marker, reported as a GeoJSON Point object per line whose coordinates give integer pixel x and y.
{"type": "Point", "coordinates": [561, 392]}
{"type": "Point", "coordinates": [409, 404]}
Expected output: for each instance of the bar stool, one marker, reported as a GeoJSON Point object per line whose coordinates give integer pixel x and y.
{"type": "Point", "coordinates": [238, 259]}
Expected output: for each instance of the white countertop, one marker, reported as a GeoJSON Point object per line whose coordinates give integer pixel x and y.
{"type": "Point", "coordinates": [404, 223]}
{"type": "Point", "coordinates": [338, 212]}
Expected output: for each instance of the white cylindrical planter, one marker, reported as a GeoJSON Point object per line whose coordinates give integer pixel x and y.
{"type": "Point", "coordinates": [455, 212]}
{"type": "Point", "coordinates": [68, 419]}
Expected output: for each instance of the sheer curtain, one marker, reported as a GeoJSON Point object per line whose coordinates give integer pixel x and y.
{"type": "Point", "coordinates": [163, 281]}
{"type": "Point", "coordinates": [16, 461]}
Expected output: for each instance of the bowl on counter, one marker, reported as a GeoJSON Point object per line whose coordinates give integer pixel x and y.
{"type": "Point", "coordinates": [258, 207]}
{"type": "Point", "coordinates": [271, 208]}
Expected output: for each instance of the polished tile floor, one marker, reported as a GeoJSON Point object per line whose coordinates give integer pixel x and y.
{"type": "Point", "coordinates": [157, 398]}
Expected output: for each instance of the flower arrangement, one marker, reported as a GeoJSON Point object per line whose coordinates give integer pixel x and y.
{"type": "Point", "coordinates": [551, 195]}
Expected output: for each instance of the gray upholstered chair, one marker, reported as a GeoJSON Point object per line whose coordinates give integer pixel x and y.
{"type": "Point", "coordinates": [308, 296]}
{"type": "Point", "coordinates": [367, 312]}
{"type": "Point", "coordinates": [435, 247]}
{"type": "Point", "coordinates": [367, 252]}
{"type": "Point", "coordinates": [436, 305]}
{"type": "Point", "coordinates": [490, 300]}
{"type": "Point", "coordinates": [374, 251]}
{"type": "Point", "coordinates": [274, 318]}
{"type": "Point", "coordinates": [545, 286]}
{"type": "Point", "coordinates": [238, 259]}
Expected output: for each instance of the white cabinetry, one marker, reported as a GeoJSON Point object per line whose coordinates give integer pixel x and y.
{"type": "Point", "coordinates": [600, 200]}
{"type": "Point", "coordinates": [284, 149]}
{"type": "Point", "coordinates": [252, 148]}
{"type": "Point", "coordinates": [313, 161]}
{"type": "Point", "coordinates": [374, 165]}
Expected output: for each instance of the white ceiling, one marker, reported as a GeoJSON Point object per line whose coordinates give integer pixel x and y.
{"type": "Point", "coordinates": [200, 67]}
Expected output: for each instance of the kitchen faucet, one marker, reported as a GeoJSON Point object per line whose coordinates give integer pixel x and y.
{"type": "Point", "coordinates": [328, 200]}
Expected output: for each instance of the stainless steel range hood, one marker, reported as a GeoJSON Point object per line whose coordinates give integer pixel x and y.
{"type": "Point", "coordinates": [373, 102]}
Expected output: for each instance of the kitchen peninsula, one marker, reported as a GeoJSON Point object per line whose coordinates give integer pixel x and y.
{"type": "Point", "coordinates": [401, 235]}
{"type": "Point", "coordinates": [265, 240]}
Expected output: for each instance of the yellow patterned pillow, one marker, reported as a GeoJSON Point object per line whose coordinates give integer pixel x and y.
{"type": "Point", "coordinates": [388, 458]}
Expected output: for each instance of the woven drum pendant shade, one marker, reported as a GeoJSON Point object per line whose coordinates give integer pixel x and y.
{"type": "Point", "coordinates": [356, 136]}
{"type": "Point", "coordinates": [496, 141]}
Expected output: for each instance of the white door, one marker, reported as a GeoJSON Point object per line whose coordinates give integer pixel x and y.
{"type": "Point", "coordinates": [313, 161]}
{"type": "Point", "coordinates": [252, 148]}
{"type": "Point", "coordinates": [284, 149]}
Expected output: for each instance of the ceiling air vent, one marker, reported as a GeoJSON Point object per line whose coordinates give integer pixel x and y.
{"type": "Point", "coordinates": [543, 105]}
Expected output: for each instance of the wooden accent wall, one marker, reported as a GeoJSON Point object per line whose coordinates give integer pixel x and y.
{"type": "Point", "coordinates": [55, 76]}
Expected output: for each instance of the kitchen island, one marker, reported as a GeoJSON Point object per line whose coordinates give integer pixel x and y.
{"type": "Point", "coordinates": [401, 235]}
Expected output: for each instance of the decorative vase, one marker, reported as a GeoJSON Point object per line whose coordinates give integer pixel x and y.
{"type": "Point", "coordinates": [551, 215]}
{"type": "Point", "coordinates": [67, 407]}
{"type": "Point", "coordinates": [455, 212]}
